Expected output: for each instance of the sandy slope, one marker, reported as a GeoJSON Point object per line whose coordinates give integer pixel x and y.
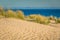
{"type": "Point", "coordinates": [16, 29]}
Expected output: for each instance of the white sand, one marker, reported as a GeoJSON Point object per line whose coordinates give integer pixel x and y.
{"type": "Point", "coordinates": [16, 29]}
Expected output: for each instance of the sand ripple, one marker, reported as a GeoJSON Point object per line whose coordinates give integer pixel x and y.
{"type": "Point", "coordinates": [15, 29]}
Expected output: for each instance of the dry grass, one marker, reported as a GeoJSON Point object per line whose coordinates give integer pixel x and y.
{"type": "Point", "coordinates": [11, 13]}
{"type": "Point", "coordinates": [20, 14]}
{"type": "Point", "coordinates": [39, 19]}
{"type": "Point", "coordinates": [2, 12]}
{"type": "Point", "coordinates": [33, 17]}
{"type": "Point", "coordinates": [58, 20]}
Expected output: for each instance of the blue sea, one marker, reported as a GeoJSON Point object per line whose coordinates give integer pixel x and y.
{"type": "Point", "coordinates": [45, 12]}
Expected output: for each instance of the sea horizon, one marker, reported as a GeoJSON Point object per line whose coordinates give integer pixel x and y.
{"type": "Point", "coordinates": [45, 12]}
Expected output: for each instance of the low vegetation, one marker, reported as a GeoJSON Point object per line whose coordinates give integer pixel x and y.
{"type": "Point", "coordinates": [58, 20]}
{"type": "Point", "coordinates": [20, 14]}
{"type": "Point", "coordinates": [52, 17]}
{"type": "Point", "coordinates": [39, 19]}
{"type": "Point", "coordinates": [33, 17]}
{"type": "Point", "coordinates": [11, 13]}
{"type": "Point", "coordinates": [2, 12]}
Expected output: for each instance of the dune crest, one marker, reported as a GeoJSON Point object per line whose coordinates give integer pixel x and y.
{"type": "Point", "coordinates": [16, 29]}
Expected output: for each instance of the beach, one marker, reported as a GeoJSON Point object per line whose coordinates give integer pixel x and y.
{"type": "Point", "coordinates": [29, 19]}
{"type": "Point", "coordinates": [16, 29]}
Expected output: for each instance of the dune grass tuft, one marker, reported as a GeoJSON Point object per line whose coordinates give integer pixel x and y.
{"type": "Point", "coordinates": [58, 20]}
{"type": "Point", "coordinates": [20, 14]}
{"type": "Point", "coordinates": [33, 17]}
{"type": "Point", "coordinates": [39, 19]}
{"type": "Point", "coordinates": [11, 13]}
{"type": "Point", "coordinates": [2, 12]}
{"type": "Point", "coordinates": [51, 17]}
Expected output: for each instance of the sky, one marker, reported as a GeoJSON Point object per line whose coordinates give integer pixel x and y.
{"type": "Point", "coordinates": [30, 3]}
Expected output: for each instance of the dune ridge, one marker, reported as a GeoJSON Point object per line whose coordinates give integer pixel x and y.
{"type": "Point", "coordinates": [16, 29]}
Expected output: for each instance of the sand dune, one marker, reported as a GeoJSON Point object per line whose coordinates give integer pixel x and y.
{"type": "Point", "coordinates": [16, 29]}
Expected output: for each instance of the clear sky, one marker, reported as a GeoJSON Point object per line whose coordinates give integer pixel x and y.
{"type": "Point", "coordinates": [30, 3]}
